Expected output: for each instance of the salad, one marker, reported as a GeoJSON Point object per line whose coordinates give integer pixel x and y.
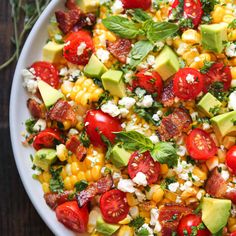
{"type": "Point", "coordinates": [133, 117]}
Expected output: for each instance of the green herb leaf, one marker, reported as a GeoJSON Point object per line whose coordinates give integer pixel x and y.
{"type": "Point", "coordinates": [165, 153]}
{"type": "Point", "coordinates": [84, 139]}
{"type": "Point", "coordinates": [142, 232]}
{"type": "Point", "coordinates": [207, 65]}
{"type": "Point", "coordinates": [121, 26]}
{"type": "Point", "coordinates": [137, 222]}
{"type": "Point", "coordinates": [134, 141]}
{"type": "Point", "coordinates": [81, 185]}
{"type": "Point", "coordinates": [139, 15]}
{"type": "Point", "coordinates": [29, 124]}
{"type": "Point", "coordinates": [232, 24]}
{"type": "Point", "coordinates": [108, 144]}
{"type": "Point", "coordinates": [139, 52]}
{"type": "Point", "coordinates": [56, 184]}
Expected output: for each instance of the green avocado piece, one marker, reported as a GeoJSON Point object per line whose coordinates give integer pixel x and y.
{"type": "Point", "coordinates": [223, 125]}
{"type": "Point", "coordinates": [53, 52]}
{"type": "Point", "coordinates": [215, 213]}
{"type": "Point", "coordinates": [119, 156]}
{"type": "Point", "coordinates": [43, 158]}
{"type": "Point", "coordinates": [214, 36]}
{"type": "Point", "coordinates": [105, 228]}
{"type": "Point", "coordinates": [49, 94]}
{"type": "Point", "coordinates": [112, 81]}
{"type": "Point", "coordinates": [207, 103]}
{"type": "Point", "coordinates": [167, 63]}
{"type": "Point", "coordinates": [94, 68]}
{"type": "Point", "coordinates": [88, 6]}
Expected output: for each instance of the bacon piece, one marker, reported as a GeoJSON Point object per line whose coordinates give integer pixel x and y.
{"type": "Point", "coordinates": [67, 20]}
{"type": "Point", "coordinates": [62, 111]}
{"type": "Point", "coordinates": [168, 222]}
{"type": "Point", "coordinates": [71, 4]}
{"type": "Point", "coordinates": [174, 124]}
{"type": "Point", "coordinates": [168, 96]}
{"type": "Point", "coordinates": [74, 145]}
{"type": "Point", "coordinates": [216, 186]}
{"type": "Point", "coordinates": [101, 186]}
{"type": "Point", "coordinates": [85, 20]}
{"type": "Point", "coordinates": [119, 49]}
{"type": "Point", "coordinates": [35, 109]}
{"type": "Point", "coordinates": [55, 199]}
{"type": "Point", "coordinates": [231, 195]}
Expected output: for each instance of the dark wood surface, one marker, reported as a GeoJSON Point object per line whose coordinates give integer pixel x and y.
{"type": "Point", "coordinates": [17, 215]}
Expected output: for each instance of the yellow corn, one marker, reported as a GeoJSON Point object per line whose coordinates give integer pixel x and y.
{"type": "Point", "coordinates": [191, 36]}
{"type": "Point", "coordinates": [126, 220]}
{"type": "Point", "coordinates": [190, 192]}
{"type": "Point", "coordinates": [233, 72]}
{"type": "Point", "coordinates": [218, 14]}
{"type": "Point", "coordinates": [132, 201]}
{"type": "Point", "coordinates": [228, 18]}
{"type": "Point", "coordinates": [221, 155]}
{"type": "Point", "coordinates": [67, 87]}
{"type": "Point", "coordinates": [232, 35]}
{"type": "Point", "coordinates": [229, 141]}
{"type": "Point", "coordinates": [67, 183]}
{"type": "Point", "coordinates": [81, 176]}
{"type": "Point", "coordinates": [125, 230]}
{"type": "Point", "coordinates": [232, 224]}
{"type": "Point", "coordinates": [45, 187]}
{"type": "Point", "coordinates": [191, 200]}
{"type": "Point", "coordinates": [212, 163]}
{"type": "Point", "coordinates": [66, 125]}
{"type": "Point", "coordinates": [190, 55]}
{"type": "Point", "coordinates": [164, 169]}
{"type": "Point", "coordinates": [199, 173]}
{"type": "Point", "coordinates": [158, 195]}
{"type": "Point", "coordinates": [62, 152]}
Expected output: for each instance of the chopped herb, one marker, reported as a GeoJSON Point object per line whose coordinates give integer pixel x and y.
{"type": "Point", "coordinates": [185, 232]}
{"type": "Point", "coordinates": [173, 234]}
{"type": "Point", "coordinates": [137, 222]}
{"type": "Point", "coordinates": [232, 24]}
{"type": "Point", "coordinates": [81, 185]}
{"type": "Point", "coordinates": [173, 218]}
{"type": "Point", "coordinates": [56, 184]}
{"type": "Point", "coordinates": [167, 181]}
{"type": "Point", "coordinates": [108, 144]}
{"type": "Point", "coordinates": [139, 15]}
{"type": "Point", "coordinates": [147, 188]}
{"type": "Point", "coordinates": [186, 23]}
{"type": "Point", "coordinates": [208, 7]}
{"type": "Point", "coordinates": [233, 121]}
{"type": "Point", "coordinates": [189, 160]}
{"type": "Point", "coordinates": [207, 65]}
{"type": "Point", "coordinates": [202, 120]}
{"type": "Point", "coordinates": [84, 139]}
{"type": "Point", "coordinates": [71, 196]}
{"type": "Point", "coordinates": [142, 232]}
{"type": "Point", "coordinates": [29, 124]}
{"type": "Point", "coordinates": [215, 110]}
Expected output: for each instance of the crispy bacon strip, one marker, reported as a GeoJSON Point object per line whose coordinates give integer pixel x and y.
{"type": "Point", "coordinates": [168, 222]}
{"type": "Point", "coordinates": [216, 185]}
{"type": "Point", "coordinates": [168, 95]}
{"type": "Point", "coordinates": [62, 111]}
{"type": "Point", "coordinates": [174, 124]}
{"type": "Point", "coordinates": [85, 20]}
{"type": "Point", "coordinates": [74, 145]}
{"type": "Point", "coordinates": [71, 4]}
{"type": "Point", "coordinates": [36, 110]}
{"type": "Point", "coordinates": [119, 49]}
{"type": "Point", "coordinates": [55, 199]}
{"type": "Point", "coordinates": [101, 186]}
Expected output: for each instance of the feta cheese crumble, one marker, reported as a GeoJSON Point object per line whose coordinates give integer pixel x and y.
{"type": "Point", "coordinates": [103, 55]}
{"type": "Point", "coordinates": [81, 48]}
{"type": "Point", "coordinates": [127, 102]}
{"type": "Point", "coordinates": [232, 101]}
{"type": "Point", "coordinates": [40, 125]}
{"type": "Point", "coordinates": [173, 187]}
{"type": "Point", "coordinates": [140, 179]}
{"type": "Point", "coordinates": [30, 81]}
{"type": "Point", "coordinates": [111, 109]}
{"type": "Point", "coordinates": [146, 102]}
{"type": "Point", "coordinates": [154, 138]}
{"type": "Point", "coordinates": [126, 185]}
{"type": "Point", "coordinates": [231, 50]}
{"type": "Point", "coordinates": [117, 7]}
{"type": "Point", "coordinates": [190, 79]}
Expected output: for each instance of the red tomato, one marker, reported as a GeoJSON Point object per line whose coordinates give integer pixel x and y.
{"type": "Point", "coordinates": [231, 159]}
{"type": "Point", "coordinates": [188, 83]}
{"type": "Point", "coordinates": [47, 72]}
{"type": "Point", "coordinates": [150, 81]}
{"type": "Point", "coordinates": [72, 216]}
{"type": "Point", "coordinates": [217, 73]}
{"type": "Point", "coordinates": [231, 195]}
{"type": "Point", "coordinates": [98, 122]}
{"type": "Point", "coordinates": [72, 53]}
{"type": "Point", "coordinates": [200, 145]}
{"type": "Point", "coordinates": [188, 222]}
{"type": "Point", "coordinates": [114, 206]}
{"type": "Point", "coordinates": [47, 138]}
{"type": "Point", "coordinates": [145, 164]}
{"type": "Point", "coordinates": [233, 233]}
{"type": "Point", "coordinates": [144, 4]}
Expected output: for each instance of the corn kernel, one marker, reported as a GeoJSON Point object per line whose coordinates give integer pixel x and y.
{"type": "Point", "coordinates": [228, 18]}
{"type": "Point", "coordinates": [96, 172]}
{"type": "Point", "coordinates": [67, 87]}
{"type": "Point", "coordinates": [45, 187]}
{"type": "Point", "coordinates": [191, 36]}
{"type": "Point", "coordinates": [233, 72]}
{"type": "Point", "coordinates": [46, 176]}
{"type": "Point", "coordinates": [164, 169]}
{"type": "Point", "coordinates": [132, 201]}
{"type": "Point", "coordinates": [158, 195]}
{"type": "Point", "coordinates": [199, 173]}
{"type": "Point", "coordinates": [190, 192]}
{"type": "Point", "coordinates": [40, 178]}
{"type": "Point", "coordinates": [126, 220]}
{"type": "Point", "coordinates": [67, 183]}
{"type": "Point", "coordinates": [189, 56]}
{"type": "Point", "coordinates": [221, 155]}
{"type": "Point", "coordinates": [66, 125]}
{"type": "Point", "coordinates": [218, 14]}
{"type": "Point", "coordinates": [232, 35]}
{"type": "Point", "coordinates": [229, 141]}
{"type": "Point", "coordinates": [73, 180]}
{"type": "Point", "coordinates": [88, 175]}
{"type": "Point", "coordinates": [233, 61]}
{"type": "Point", "coordinates": [81, 176]}
{"type": "Point", "coordinates": [232, 224]}
{"type": "Point", "coordinates": [74, 168]}
{"type": "Point", "coordinates": [62, 152]}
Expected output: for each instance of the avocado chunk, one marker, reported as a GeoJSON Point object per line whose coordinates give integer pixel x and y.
{"type": "Point", "coordinates": [112, 81]}
{"type": "Point", "coordinates": [49, 94]}
{"type": "Point", "coordinates": [215, 213]}
{"type": "Point", "coordinates": [45, 157]}
{"type": "Point", "coordinates": [207, 103]}
{"type": "Point", "coordinates": [167, 63]}
{"type": "Point", "coordinates": [119, 156]}
{"type": "Point", "coordinates": [94, 68]}
{"type": "Point", "coordinates": [214, 36]}
{"type": "Point", "coordinates": [52, 52]}
{"type": "Point", "coordinates": [88, 6]}
{"type": "Point", "coordinates": [105, 228]}
{"type": "Point", "coordinates": [224, 125]}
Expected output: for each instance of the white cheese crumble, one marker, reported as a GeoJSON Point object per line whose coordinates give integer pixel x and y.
{"type": "Point", "coordinates": [63, 71]}
{"type": "Point", "coordinates": [230, 50]}
{"type": "Point", "coordinates": [154, 138]}
{"type": "Point", "coordinates": [206, 126]}
{"type": "Point", "coordinates": [127, 102]}
{"type": "Point", "coordinates": [181, 151]}
{"type": "Point", "coordinates": [140, 92]}
{"type": "Point", "coordinates": [40, 125]}
{"type": "Point", "coordinates": [156, 117]}
{"type": "Point", "coordinates": [134, 211]}
{"type": "Point", "coordinates": [154, 216]}
{"type": "Point", "coordinates": [30, 82]}
{"type": "Point", "coordinates": [126, 185]}
{"type": "Point", "coordinates": [117, 7]}
{"type": "Point", "coordinates": [81, 48]}
{"type": "Point", "coordinates": [173, 187]}
{"type": "Point", "coordinates": [111, 109]}
{"type": "Point", "coordinates": [140, 179]}
{"type": "Point", "coordinates": [190, 78]}
{"type": "Point", "coordinates": [103, 55]}
{"type": "Point", "coordinates": [129, 76]}
{"type": "Point", "coordinates": [124, 112]}
{"type": "Point", "coordinates": [186, 185]}
{"type": "Point", "coordinates": [73, 131]}
{"type": "Point", "coordinates": [146, 102]}
{"type": "Point", "coordinates": [232, 101]}
{"type": "Point", "coordinates": [182, 48]}
{"type": "Point", "coordinates": [140, 196]}
{"type": "Point", "coordinates": [151, 60]}
{"type": "Point", "coordinates": [225, 174]}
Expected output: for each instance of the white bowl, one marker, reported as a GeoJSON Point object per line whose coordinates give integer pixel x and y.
{"type": "Point", "coordinates": [31, 52]}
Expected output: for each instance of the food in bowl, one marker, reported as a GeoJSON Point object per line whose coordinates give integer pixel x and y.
{"type": "Point", "coordinates": [133, 117]}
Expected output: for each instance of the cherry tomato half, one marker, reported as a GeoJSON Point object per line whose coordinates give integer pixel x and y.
{"type": "Point", "coordinates": [188, 223]}
{"type": "Point", "coordinates": [79, 47]}
{"type": "Point", "coordinates": [47, 72]}
{"type": "Point", "coordinates": [188, 83]}
{"type": "Point", "coordinates": [72, 216]}
{"type": "Point", "coordinates": [231, 159]}
{"type": "Point", "coordinates": [233, 233]}
{"type": "Point", "coordinates": [145, 164]}
{"type": "Point", "coordinates": [217, 73]}
{"type": "Point", "coordinates": [200, 145]}
{"type": "Point", "coordinates": [47, 138]}
{"type": "Point", "coordinates": [114, 206]}
{"type": "Point", "coordinates": [137, 4]}
{"type": "Point", "coordinates": [97, 123]}
{"type": "Point", "coordinates": [231, 195]}
{"type": "Point", "coordinates": [150, 81]}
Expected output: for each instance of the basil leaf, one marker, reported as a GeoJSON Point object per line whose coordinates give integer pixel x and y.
{"type": "Point", "coordinates": [165, 153]}
{"type": "Point", "coordinates": [134, 141]}
{"type": "Point", "coordinates": [158, 31]}
{"type": "Point", "coordinates": [139, 52]}
{"type": "Point", "coordinates": [139, 15]}
{"type": "Point", "coordinates": [121, 26]}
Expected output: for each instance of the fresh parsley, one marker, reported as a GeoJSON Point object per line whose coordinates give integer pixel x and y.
{"type": "Point", "coordinates": [81, 185]}
{"type": "Point", "coordinates": [29, 124]}
{"type": "Point", "coordinates": [208, 7]}
{"type": "Point", "coordinates": [142, 232]}
{"type": "Point", "coordinates": [139, 15]}
{"type": "Point", "coordinates": [232, 24]}
{"type": "Point", "coordinates": [56, 184]}
{"type": "Point", "coordinates": [108, 144]}
{"type": "Point", "coordinates": [215, 110]}
{"type": "Point", "coordinates": [169, 180]}
{"type": "Point", "coordinates": [207, 65]}
{"type": "Point", "coordinates": [84, 139]}
{"type": "Point", "coordinates": [137, 222]}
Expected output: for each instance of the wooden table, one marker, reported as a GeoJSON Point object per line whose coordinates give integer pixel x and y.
{"type": "Point", "coordinates": [17, 215]}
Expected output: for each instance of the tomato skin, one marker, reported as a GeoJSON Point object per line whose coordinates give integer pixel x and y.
{"type": "Point", "coordinates": [47, 72]}
{"type": "Point", "coordinates": [184, 89]}
{"type": "Point", "coordinates": [72, 216]}
{"type": "Point", "coordinates": [187, 222]}
{"type": "Point", "coordinates": [233, 233]}
{"type": "Point", "coordinates": [217, 73]}
{"type": "Point", "coordinates": [200, 145]}
{"type": "Point", "coordinates": [150, 81]}
{"type": "Point", "coordinates": [47, 138]}
{"type": "Point", "coordinates": [145, 164]}
{"type": "Point", "coordinates": [112, 202]}
{"type": "Point", "coordinates": [97, 121]}
{"type": "Point", "coordinates": [73, 41]}
{"type": "Point", "coordinates": [137, 4]}
{"type": "Point", "coordinates": [231, 159]}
